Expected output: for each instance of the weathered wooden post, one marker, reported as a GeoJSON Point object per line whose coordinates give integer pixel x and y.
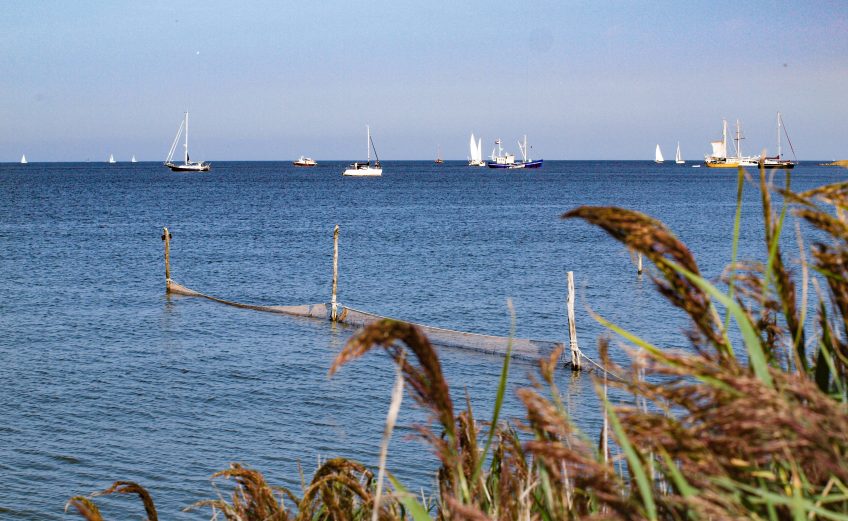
{"type": "Point", "coordinates": [572, 329]}
{"type": "Point", "coordinates": [605, 429]}
{"type": "Point", "coordinates": [334, 315]}
{"type": "Point", "coordinates": [166, 236]}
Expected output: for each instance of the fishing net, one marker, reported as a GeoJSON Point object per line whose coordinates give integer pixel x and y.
{"type": "Point", "coordinates": [496, 345]}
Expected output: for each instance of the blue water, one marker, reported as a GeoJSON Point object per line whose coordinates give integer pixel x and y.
{"type": "Point", "coordinates": [104, 377]}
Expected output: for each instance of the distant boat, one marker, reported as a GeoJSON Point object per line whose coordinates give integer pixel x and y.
{"type": "Point", "coordinates": [696, 166]}
{"type": "Point", "coordinates": [439, 159]}
{"type": "Point", "coordinates": [111, 160]}
{"type": "Point", "coordinates": [507, 160]}
{"type": "Point", "coordinates": [777, 161]}
{"type": "Point", "coordinates": [719, 157]}
{"type": "Point", "coordinates": [476, 149]}
{"type": "Point", "coordinates": [366, 169]}
{"type": "Point", "coordinates": [677, 157]}
{"type": "Point", "coordinates": [305, 161]}
{"type": "Point", "coordinates": [133, 159]}
{"type": "Point", "coordinates": [187, 165]}
{"type": "Point", "coordinates": [23, 159]}
{"type": "Point", "coordinates": [658, 157]}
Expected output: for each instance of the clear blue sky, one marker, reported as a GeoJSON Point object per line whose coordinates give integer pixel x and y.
{"type": "Point", "coordinates": [274, 80]}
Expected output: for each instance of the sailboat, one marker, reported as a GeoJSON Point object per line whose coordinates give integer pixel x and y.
{"type": "Point", "coordinates": [366, 168]}
{"type": "Point", "coordinates": [476, 149]}
{"type": "Point", "coordinates": [439, 159]}
{"type": "Point", "coordinates": [187, 165]}
{"type": "Point", "coordinates": [677, 157]}
{"type": "Point", "coordinates": [23, 159]}
{"type": "Point", "coordinates": [776, 161]}
{"type": "Point", "coordinates": [133, 159]}
{"type": "Point", "coordinates": [658, 157]}
{"type": "Point", "coordinates": [111, 160]}
{"type": "Point", "coordinates": [719, 157]}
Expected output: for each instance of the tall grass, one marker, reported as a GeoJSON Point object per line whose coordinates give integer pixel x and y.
{"type": "Point", "coordinates": [751, 430]}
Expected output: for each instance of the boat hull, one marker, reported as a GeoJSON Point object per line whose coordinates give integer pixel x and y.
{"type": "Point", "coordinates": [363, 170]}
{"type": "Point", "coordinates": [189, 167]}
{"type": "Point", "coordinates": [515, 166]}
{"type": "Point", "coordinates": [787, 165]}
{"type": "Point", "coordinates": [722, 165]}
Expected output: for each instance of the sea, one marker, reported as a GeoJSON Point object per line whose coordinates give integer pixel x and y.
{"type": "Point", "coordinates": [105, 377]}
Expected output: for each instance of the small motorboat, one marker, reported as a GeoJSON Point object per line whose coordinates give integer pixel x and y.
{"type": "Point", "coordinates": [305, 161]}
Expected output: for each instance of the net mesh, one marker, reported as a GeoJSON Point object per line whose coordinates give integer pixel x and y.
{"type": "Point", "coordinates": [490, 344]}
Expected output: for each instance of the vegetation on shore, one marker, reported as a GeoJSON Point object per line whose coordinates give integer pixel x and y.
{"type": "Point", "coordinates": [754, 428]}
{"type": "Point", "coordinates": [842, 162]}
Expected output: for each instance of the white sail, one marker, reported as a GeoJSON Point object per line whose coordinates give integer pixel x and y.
{"type": "Point", "coordinates": [677, 157]}
{"type": "Point", "coordinates": [719, 149]}
{"type": "Point", "coordinates": [476, 149]}
{"type": "Point", "coordinates": [23, 159]}
{"type": "Point", "coordinates": [111, 159]}
{"type": "Point", "coordinates": [659, 156]}
{"type": "Point", "coordinates": [133, 159]}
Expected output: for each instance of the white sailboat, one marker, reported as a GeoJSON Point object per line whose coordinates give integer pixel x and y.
{"type": "Point", "coordinates": [23, 159]}
{"type": "Point", "coordinates": [133, 159]}
{"type": "Point", "coordinates": [476, 150]}
{"type": "Point", "coordinates": [778, 161]}
{"type": "Point", "coordinates": [658, 158]}
{"type": "Point", "coordinates": [187, 165]}
{"type": "Point", "coordinates": [366, 169]}
{"type": "Point", "coordinates": [677, 157]}
{"type": "Point", "coordinates": [111, 160]}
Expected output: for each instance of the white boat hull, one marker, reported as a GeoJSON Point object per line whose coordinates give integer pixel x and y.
{"type": "Point", "coordinates": [364, 172]}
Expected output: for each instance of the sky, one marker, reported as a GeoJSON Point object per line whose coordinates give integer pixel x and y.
{"type": "Point", "coordinates": [273, 80]}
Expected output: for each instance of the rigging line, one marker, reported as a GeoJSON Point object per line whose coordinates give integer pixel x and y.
{"type": "Point", "coordinates": [787, 139]}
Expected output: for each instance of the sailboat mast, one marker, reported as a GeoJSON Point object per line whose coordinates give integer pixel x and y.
{"type": "Point", "coordinates": [778, 135]}
{"type": "Point", "coordinates": [724, 137]}
{"type": "Point", "coordinates": [186, 139]}
{"type": "Point", "coordinates": [738, 140]}
{"type": "Point", "coordinates": [368, 142]}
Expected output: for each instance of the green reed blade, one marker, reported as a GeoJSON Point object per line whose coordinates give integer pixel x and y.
{"type": "Point", "coordinates": [635, 464]}
{"type": "Point", "coordinates": [419, 513]}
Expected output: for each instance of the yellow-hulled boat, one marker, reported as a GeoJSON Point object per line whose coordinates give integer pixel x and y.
{"type": "Point", "coordinates": [719, 158]}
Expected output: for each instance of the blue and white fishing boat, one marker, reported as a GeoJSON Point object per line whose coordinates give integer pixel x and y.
{"type": "Point", "coordinates": [507, 160]}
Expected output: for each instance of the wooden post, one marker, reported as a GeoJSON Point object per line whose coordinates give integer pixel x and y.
{"type": "Point", "coordinates": [639, 264]}
{"type": "Point", "coordinates": [572, 329]}
{"type": "Point", "coordinates": [335, 271]}
{"type": "Point", "coordinates": [605, 429]}
{"type": "Point", "coordinates": [166, 236]}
